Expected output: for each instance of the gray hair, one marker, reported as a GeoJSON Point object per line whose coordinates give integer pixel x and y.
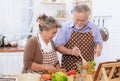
{"type": "Point", "coordinates": [50, 23]}
{"type": "Point", "coordinates": [81, 8]}
{"type": "Point", "coordinates": [42, 16]}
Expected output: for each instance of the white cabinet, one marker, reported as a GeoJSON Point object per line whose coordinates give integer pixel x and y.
{"type": "Point", "coordinates": [11, 62]}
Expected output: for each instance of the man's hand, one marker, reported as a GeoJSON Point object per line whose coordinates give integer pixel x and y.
{"type": "Point", "coordinates": [75, 51]}
{"type": "Point", "coordinates": [97, 52]}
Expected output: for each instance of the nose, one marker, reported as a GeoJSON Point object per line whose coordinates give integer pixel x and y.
{"type": "Point", "coordinates": [79, 21]}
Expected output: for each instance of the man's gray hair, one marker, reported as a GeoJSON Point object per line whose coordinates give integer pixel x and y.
{"type": "Point", "coordinates": [81, 8]}
{"type": "Point", "coordinates": [50, 23]}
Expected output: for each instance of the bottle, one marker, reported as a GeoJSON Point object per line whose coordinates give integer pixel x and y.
{"type": "Point", "coordinates": [83, 75]}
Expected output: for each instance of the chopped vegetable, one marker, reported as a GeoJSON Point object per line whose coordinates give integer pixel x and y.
{"type": "Point", "coordinates": [59, 76]}
{"type": "Point", "coordinates": [91, 68]}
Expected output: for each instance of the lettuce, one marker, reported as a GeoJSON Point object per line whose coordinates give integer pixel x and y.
{"type": "Point", "coordinates": [59, 77]}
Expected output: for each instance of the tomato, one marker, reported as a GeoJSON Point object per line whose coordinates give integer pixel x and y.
{"type": "Point", "coordinates": [52, 72]}
{"type": "Point", "coordinates": [71, 72]}
{"type": "Point", "coordinates": [46, 77]}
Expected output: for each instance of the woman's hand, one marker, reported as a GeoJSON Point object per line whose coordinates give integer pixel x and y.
{"type": "Point", "coordinates": [51, 68]}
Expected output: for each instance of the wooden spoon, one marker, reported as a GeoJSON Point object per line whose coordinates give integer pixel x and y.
{"type": "Point", "coordinates": [85, 65]}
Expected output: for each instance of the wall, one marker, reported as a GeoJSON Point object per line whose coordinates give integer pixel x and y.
{"type": "Point", "coordinates": [10, 15]}
{"type": "Point", "coordinates": [111, 49]}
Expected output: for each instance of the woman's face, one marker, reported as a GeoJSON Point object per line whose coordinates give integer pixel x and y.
{"type": "Point", "coordinates": [50, 34]}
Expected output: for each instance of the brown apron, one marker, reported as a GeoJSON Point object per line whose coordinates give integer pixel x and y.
{"type": "Point", "coordinates": [48, 58]}
{"type": "Point", "coordinates": [85, 42]}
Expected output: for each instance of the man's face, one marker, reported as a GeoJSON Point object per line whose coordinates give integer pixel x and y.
{"type": "Point", "coordinates": [80, 19]}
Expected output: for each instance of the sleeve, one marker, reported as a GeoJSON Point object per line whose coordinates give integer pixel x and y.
{"type": "Point", "coordinates": [29, 53]}
{"type": "Point", "coordinates": [97, 37]}
{"type": "Point", "coordinates": [61, 38]}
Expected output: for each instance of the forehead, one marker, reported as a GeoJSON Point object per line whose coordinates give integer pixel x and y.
{"type": "Point", "coordinates": [51, 29]}
{"type": "Point", "coordinates": [80, 15]}
{"type": "Point", "coordinates": [40, 20]}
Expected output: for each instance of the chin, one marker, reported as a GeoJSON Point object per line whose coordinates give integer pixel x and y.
{"type": "Point", "coordinates": [49, 40]}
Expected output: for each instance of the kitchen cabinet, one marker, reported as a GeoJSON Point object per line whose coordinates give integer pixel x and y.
{"type": "Point", "coordinates": [11, 60]}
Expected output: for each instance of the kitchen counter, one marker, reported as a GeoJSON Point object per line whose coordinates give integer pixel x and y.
{"type": "Point", "coordinates": [11, 49]}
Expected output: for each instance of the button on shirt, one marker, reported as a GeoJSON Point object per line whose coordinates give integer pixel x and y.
{"type": "Point", "coordinates": [65, 32]}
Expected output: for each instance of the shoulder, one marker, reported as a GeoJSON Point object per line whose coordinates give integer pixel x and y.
{"type": "Point", "coordinates": [93, 26]}
{"type": "Point", "coordinates": [32, 40]}
{"type": "Point", "coordinates": [67, 24]}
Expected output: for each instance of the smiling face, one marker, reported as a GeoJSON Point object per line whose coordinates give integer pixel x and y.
{"type": "Point", "coordinates": [80, 19]}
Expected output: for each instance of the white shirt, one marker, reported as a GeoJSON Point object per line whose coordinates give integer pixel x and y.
{"type": "Point", "coordinates": [44, 47]}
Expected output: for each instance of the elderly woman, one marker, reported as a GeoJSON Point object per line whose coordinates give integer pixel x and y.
{"type": "Point", "coordinates": [40, 53]}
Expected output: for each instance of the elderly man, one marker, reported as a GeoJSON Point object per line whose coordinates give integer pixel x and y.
{"type": "Point", "coordinates": [78, 35]}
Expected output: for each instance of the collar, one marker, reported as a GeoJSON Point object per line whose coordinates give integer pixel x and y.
{"type": "Point", "coordinates": [71, 25]}
{"type": "Point", "coordinates": [87, 26]}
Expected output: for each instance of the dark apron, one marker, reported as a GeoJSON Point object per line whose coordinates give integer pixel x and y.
{"type": "Point", "coordinates": [85, 42]}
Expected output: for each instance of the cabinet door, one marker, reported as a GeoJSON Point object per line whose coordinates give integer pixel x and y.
{"type": "Point", "coordinates": [11, 62]}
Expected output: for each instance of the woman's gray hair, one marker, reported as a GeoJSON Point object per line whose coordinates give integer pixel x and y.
{"type": "Point", "coordinates": [50, 23]}
{"type": "Point", "coordinates": [81, 8]}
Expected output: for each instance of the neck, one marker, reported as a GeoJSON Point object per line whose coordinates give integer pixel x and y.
{"type": "Point", "coordinates": [44, 38]}
{"type": "Point", "coordinates": [80, 28]}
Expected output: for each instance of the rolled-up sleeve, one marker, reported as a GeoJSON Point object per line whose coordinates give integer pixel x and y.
{"type": "Point", "coordinates": [97, 37]}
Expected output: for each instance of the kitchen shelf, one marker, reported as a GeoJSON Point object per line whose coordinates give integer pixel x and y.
{"type": "Point", "coordinates": [59, 12]}
{"type": "Point", "coordinates": [54, 2]}
{"type": "Point", "coordinates": [62, 19]}
{"type": "Point", "coordinates": [84, 1]}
